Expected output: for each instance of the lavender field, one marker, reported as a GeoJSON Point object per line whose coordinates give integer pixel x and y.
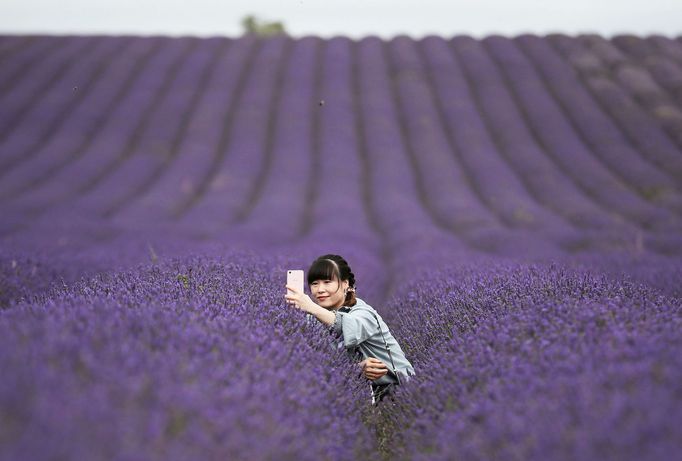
{"type": "Point", "coordinates": [511, 206]}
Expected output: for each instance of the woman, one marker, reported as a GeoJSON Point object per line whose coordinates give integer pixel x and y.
{"type": "Point", "coordinates": [363, 331]}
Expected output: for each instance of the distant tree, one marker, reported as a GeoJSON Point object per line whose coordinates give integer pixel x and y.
{"type": "Point", "coordinates": [252, 25]}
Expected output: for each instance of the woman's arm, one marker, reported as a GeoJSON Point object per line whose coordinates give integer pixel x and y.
{"type": "Point", "coordinates": [355, 328]}
{"type": "Point", "coordinates": [303, 302]}
{"type": "Point", "coordinates": [373, 368]}
{"type": "Point", "coordinates": [322, 314]}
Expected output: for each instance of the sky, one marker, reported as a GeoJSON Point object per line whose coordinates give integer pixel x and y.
{"type": "Point", "coordinates": [352, 18]}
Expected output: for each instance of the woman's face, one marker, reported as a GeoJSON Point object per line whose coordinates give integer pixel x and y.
{"type": "Point", "coordinates": [327, 293]}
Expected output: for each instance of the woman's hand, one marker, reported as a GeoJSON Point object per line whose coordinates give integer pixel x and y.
{"type": "Point", "coordinates": [373, 368]}
{"type": "Point", "coordinates": [298, 299]}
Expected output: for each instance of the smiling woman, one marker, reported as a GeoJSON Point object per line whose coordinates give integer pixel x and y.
{"type": "Point", "coordinates": [359, 328]}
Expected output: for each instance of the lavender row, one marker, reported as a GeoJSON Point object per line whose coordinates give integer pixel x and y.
{"type": "Point", "coordinates": [495, 107]}
{"type": "Point", "coordinates": [623, 134]}
{"type": "Point", "coordinates": [198, 151]}
{"type": "Point", "coordinates": [462, 179]}
{"type": "Point", "coordinates": [536, 362]}
{"type": "Point", "coordinates": [449, 190]}
{"type": "Point", "coordinates": [201, 358]}
{"type": "Point", "coordinates": [23, 97]}
{"type": "Point", "coordinates": [644, 99]}
{"type": "Point", "coordinates": [553, 157]}
{"type": "Point", "coordinates": [154, 144]}
{"type": "Point", "coordinates": [165, 150]}
{"type": "Point", "coordinates": [585, 162]}
{"type": "Point", "coordinates": [652, 79]}
{"type": "Point", "coordinates": [46, 117]}
{"type": "Point", "coordinates": [104, 151]}
{"type": "Point", "coordinates": [280, 191]}
{"type": "Point", "coordinates": [532, 146]}
{"type": "Point", "coordinates": [400, 215]}
{"type": "Point", "coordinates": [78, 128]}
{"type": "Point", "coordinates": [192, 358]}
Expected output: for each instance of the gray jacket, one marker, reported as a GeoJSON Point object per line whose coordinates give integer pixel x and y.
{"type": "Point", "coordinates": [358, 328]}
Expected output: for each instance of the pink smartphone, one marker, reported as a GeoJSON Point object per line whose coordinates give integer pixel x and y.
{"type": "Point", "coordinates": [295, 278]}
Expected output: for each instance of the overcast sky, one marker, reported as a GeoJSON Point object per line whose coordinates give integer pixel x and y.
{"type": "Point", "coordinates": [353, 18]}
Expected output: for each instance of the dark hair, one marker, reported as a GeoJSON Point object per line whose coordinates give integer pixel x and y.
{"type": "Point", "coordinates": [333, 267]}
